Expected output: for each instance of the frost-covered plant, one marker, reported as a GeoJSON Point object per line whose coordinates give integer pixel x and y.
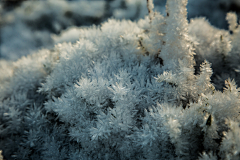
{"type": "Point", "coordinates": [126, 90]}
{"type": "Point", "coordinates": [27, 27]}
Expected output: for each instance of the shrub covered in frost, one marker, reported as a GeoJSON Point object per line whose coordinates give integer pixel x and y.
{"type": "Point", "coordinates": [29, 25]}
{"type": "Point", "coordinates": [127, 90]}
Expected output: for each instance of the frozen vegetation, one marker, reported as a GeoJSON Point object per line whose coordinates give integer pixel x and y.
{"type": "Point", "coordinates": [160, 87]}
{"type": "Point", "coordinates": [27, 26]}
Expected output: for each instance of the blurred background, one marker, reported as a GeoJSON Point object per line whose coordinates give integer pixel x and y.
{"type": "Point", "coordinates": [27, 26]}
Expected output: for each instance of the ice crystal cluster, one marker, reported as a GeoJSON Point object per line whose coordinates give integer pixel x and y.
{"type": "Point", "coordinates": [150, 89]}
